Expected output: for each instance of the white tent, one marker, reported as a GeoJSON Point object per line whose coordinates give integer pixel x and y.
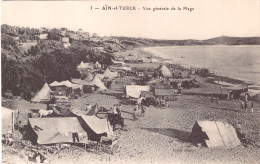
{"type": "Point", "coordinates": [134, 91]}
{"type": "Point", "coordinates": [71, 85]}
{"type": "Point", "coordinates": [214, 134]}
{"type": "Point", "coordinates": [110, 75]}
{"type": "Point", "coordinates": [82, 65]}
{"type": "Point", "coordinates": [165, 71]}
{"type": "Point", "coordinates": [67, 84]}
{"type": "Point", "coordinates": [7, 120]}
{"type": "Point", "coordinates": [43, 94]}
{"type": "Point", "coordinates": [98, 125]}
{"type": "Point", "coordinates": [96, 81]}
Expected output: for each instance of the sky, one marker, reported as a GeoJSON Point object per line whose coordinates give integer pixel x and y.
{"type": "Point", "coordinates": [210, 18]}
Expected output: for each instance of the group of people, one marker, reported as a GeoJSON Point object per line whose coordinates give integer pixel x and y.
{"type": "Point", "coordinates": [138, 110]}
{"type": "Point", "coordinates": [162, 102]}
{"type": "Point", "coordinates": [117, 109]}
{"type": "Point", "coordinates": [245, 104]}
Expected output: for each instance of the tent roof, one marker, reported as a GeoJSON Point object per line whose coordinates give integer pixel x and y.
{"type": "Point", "coordinates": [66, 83]}
{"type": "Point", "coordinates": [219, 133]}
{"type": "Point", "coordinates": [165, 71]}
{"type": "Point", "coordinates": [57, 129]}
{"type": "Point", "coordinates": [98, 125]}
{"type": "Point", "coordinates": [135, 90]}
{"type": "Point", "coordinates": [44, 93]}
{"type": "Point", "coordinates": [96, 81]}
{"type": "Point", "coordinates": [109, 74]}
{"type": "Point", "coordinates": [84, 65]}
{"type": "Point", "coordinates": [97, 63]}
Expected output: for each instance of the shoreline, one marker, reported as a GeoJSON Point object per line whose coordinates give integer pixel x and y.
{"type": "Point", "coordinates": [215, 77]}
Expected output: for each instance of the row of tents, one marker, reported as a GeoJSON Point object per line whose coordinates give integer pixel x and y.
{"type": "Point", "coordinates": [89, 127]}
{"type": "Point", "coordinates": [137, 91]}
{"type": "Point", "coordinates": [68, 88]}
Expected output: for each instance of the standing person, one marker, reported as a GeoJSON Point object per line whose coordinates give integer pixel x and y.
{"type": "Point", "coordinates": [246, 97]}
{"type": "Point", "coordinates": [143, 110]}
{"type": "Point", "coordinates": [242, 105]}
{"type": "Point", "coordinates": [211, 98]}
{"type": "Point", "coordinates": [245, 106]}
{"type": "Point", "coordinates": [119, 109]}
{"type": "Point", "coordinates": [252, 106]}
{"type": "Point", "coordinates": [114, 109]}
{"type": "Point", "coordinates": [134, 114]}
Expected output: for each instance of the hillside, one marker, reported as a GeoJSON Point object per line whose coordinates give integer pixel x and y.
{"type": "Point", "coordinates": [31, 57]}
{"type": "Point", "coordinates": [223, 40]}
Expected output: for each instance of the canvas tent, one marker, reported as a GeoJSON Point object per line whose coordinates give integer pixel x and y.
{"type": "Point", "coordinates": [97, 82]}
{"type": "Point", "coordinates": [67, 84]}
{"type": "Point", "coordinates": [214, 134]}
{"type": "Point", "coordinates": [165, 71]}
{"type": "Point", "coordinates": [110, 75]}
{"type": "Point", "coordinates": [134, 91]}
{"type": "Point", "coordinates": [83, 65]}
{"type": "Point", "coordinates": [99, 126]}
{"type": "Point", "coordinates": [43, 95]}
{"type": "Point", "coordinates": [8, 120]}
{"type": "Point", "coordinates": [56, 130]}
{"type": "Point", "coordinates": [66, 87]}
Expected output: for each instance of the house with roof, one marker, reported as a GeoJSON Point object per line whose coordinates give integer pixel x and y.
{"type": "Point", "coordinates": [65, 39]}
{"type": "Point", "coordinates": [42, 36]}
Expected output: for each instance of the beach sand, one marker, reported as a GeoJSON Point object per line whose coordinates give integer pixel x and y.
{"type": "Point", "coordinates": [160, 136]}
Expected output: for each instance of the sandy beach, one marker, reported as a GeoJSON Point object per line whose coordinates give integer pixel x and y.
{"type": "Point", "coordinates": [160, 136]}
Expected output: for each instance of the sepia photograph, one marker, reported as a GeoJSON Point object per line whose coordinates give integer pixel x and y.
{"type": "Point", "coordinates": [129, 82]}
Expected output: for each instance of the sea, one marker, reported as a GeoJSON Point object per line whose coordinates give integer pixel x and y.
{"type": "Point", "coordinates": [236, 62]}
